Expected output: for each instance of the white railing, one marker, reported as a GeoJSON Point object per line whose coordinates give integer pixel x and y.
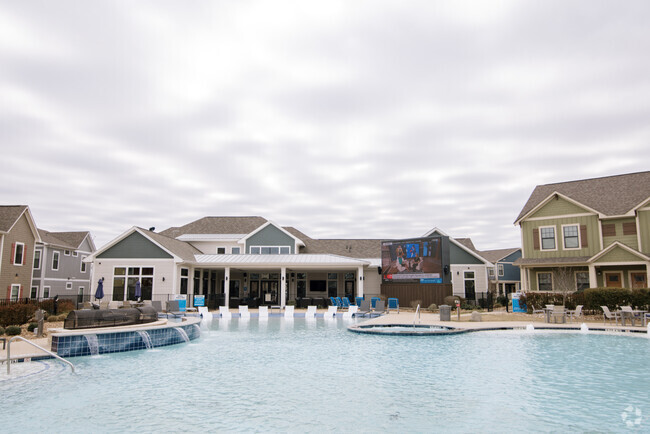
{"type": "Point", "coordinates": [56, 356]}
{"type": "Point", "coordinates": [417, 315]}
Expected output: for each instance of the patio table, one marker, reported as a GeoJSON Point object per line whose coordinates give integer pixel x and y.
{"type": "Point", "coordinates": [640, 313]}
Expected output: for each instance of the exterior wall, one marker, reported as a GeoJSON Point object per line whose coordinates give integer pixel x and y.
{"type": "Point", "coordinates": [458, 280]}
{"type": "Point", "coordinates": [593, 237]}
{"type": "Point", "coordinates": [628, 240]}
{"type": "Point", "coordinates": [644, 226]}
{"type": "Point", "coordinates": [163, 268]}
{"type": "Point", "coordinates": [134, 246]}
{"type": "Point", "coordinates": [69, 271]}
{"type": "Point", "coordinates": [510, 272]}
{"type": "Point", "coordinates": [460, 256]}
{"type": "Point", "coordinates": [270, 236]}
{"type": "Point", "coordinates": [210, 247]}
{"type": "Point", "coordinates": [17, 274]}
{"type": "Point", "coordinates": [559, 206]}
{"type": "Point", "coordinates": [371, 282]}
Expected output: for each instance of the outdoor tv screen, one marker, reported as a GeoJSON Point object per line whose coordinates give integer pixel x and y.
{"type": "Point", "coordinates": [416, 259]}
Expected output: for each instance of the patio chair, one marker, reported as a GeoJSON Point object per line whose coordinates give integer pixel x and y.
{"type": "Point", "coordinates": [393, 304]}
{"type": "Point", "coordinates": [576, 313]}
{"type": "Point", "coordinates": [380, 307]}
{"type": "Point", "coordinates": [607, 315]}
{"type": "Point", "coordinates": [345, 303]}
{"type": "Point", "coordinates": [627, 313]}
{"type": "Point", "coordinates": [374, 301]}
{"type": "Point", "coordinates": [339, 302]}
{"type": "Point", "coordinates": [174, 309]}
{"type": "Point", "coordinates": [243, 311]}
{"type": "Point", "coordinates": [350, 312]}
{"type": "Point", "coordinates": [364, 309]}
{"type": "Point", "coordinates": [264, 311]}
{"type": "Point", "coordinates": [311, 312]}
{"type": "Point", "coordinates": [224, 312]}
{"type": "Point", "coordinates": [358, 301]}
{"type": "Point", "coordinates": [558, 312]}
{"type": "Point", "coordinates": [104, 305]}
{"type": "Point", "coordinates": [157, 305]}
{"type": "Point", "coordinates": [538, 311]}
{"type": "Point", "coordinates": [288, 312]}
{"type": "Point", "coordinates": [331, 312]}
{"type": "Point", "coordinates": [204, 313]}
{"type": "Point", "coordinates": [126, 304]}
{"type": "Point", "coordinates": [333, 301]}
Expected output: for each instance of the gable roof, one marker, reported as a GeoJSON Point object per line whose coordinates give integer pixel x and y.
{"type": "Point", "coordinates": [464, 243]}
{"type": "Point", "coordinates": [350, 248]}
{"type": "Point", "coordinates": [609, 196]}
{"type": "Point", "coordinates": [217, 225]}
{"type": "Point", "coordinates": [498, 254]}
{"type": "Point", "coordinates": [9, 214]}
{"type": "Point", "coordinates": [70, 240]}
{"type": "Point", "coordinates": [297, 240]}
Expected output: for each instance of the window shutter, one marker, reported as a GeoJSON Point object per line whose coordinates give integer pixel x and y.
{"type": "Point", "coordinates": [629, 228]}
{"type": "Point", "coordinates": [13, 253]}
{"type": "Point", "coordinates": [9, 292]}
{"type": "Point", "coordinates": [583, 236]}
{"type": "Point", "coordinates": [20, 292]}
{"type": "Point", "coordinates": [536, 239]}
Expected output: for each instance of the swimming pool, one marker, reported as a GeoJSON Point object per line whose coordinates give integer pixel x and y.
{"type": "Point", "coordinates": [314, 376]}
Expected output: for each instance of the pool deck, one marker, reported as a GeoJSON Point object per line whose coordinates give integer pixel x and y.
{"type": "Point", "coordinates": [22, 350]}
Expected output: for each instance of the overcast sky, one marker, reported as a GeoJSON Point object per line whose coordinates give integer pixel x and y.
{"type": "Point", "coordinates": [344, 119]}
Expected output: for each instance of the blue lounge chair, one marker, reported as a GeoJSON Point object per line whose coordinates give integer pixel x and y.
{"type": "Point", "coordinates": [333, 301]}
{"type": "Point", "coordinates": [359, 300]}
{"type": "Point", "coordinates": [374, 301]}
{"type": "Point", "coordinates": [393, 304]}
{"type": "Point", "coordinates": [345, 303]}
{"type": "Point", "coordinates": [339, 302]}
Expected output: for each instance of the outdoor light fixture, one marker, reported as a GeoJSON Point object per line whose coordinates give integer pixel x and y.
{"type": "Point", "coordinates": [163, 278]}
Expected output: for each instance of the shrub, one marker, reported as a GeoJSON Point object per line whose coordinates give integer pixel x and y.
{"type": "Point", "coordinates": [433, 307]}
{"type": "Point", "coordinates": [62, 306]}
{"type": "Point", "coordinates": [16, 313]}
{"type": "Point", "coordinates": [13, 330]}
{"type": "Point", "coordinates": [450, 300]}
{"type": "Point", "coordinates": [32, 326]}
{"type": "Point", "coordinates": [52, 318]}
{"type": "Point", "coordinates": [502, 300]}
{"type": "Point", "coordinates": [414, 303]}
{"type": "Point", "coordinates": [591, 299]}
{"type": "Point", "coordinates": [2, 331]}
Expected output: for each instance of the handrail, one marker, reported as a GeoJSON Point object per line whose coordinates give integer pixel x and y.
{"type": "Point", "coordinates": [417, 314]}
{"type": "Point", "coordinates": [34, 345]}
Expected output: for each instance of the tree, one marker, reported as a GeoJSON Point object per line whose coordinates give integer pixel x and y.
{"type": "Point", "coordinates": [564, 282]}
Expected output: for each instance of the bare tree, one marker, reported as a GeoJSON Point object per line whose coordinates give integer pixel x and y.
{"type": "Point", "coordinates": [564, 282]}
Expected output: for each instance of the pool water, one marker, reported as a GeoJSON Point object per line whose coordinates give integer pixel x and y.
{"type": "Point", "coordinates": [314, 376]}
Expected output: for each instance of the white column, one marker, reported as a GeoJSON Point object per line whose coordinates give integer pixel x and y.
{"type": "Point", "coordinates": [593, 278]}
{"type": "Point", "coordinates": [283, 286]}
{"type": "Point", "coordinates": [226, 286]}
{"type": "Point", "coordinates": [360, 285]}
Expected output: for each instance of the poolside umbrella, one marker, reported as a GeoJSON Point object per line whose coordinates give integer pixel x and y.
{"type": "Point", "coordinates": [99, 294]}
{"type": "Point", "coordinates": [138, 290]}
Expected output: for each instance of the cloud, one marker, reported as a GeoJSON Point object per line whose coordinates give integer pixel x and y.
{"type": "Point", "coordinates": [343, 119]}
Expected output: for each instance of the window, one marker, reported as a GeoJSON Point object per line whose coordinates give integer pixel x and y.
{"type": "Point", "coordinates": [15, 292]}
{"type": "Point", "coordinates": [332, 276]}
{"type": "Point", "coordinates": [571, 235]}
{"type": "Point", "coordinates": [491, 273]}
{"type": "Point", "coordinates": [500, 268]}
{"type": "Point", "coordinates": [68, 285]}
{"type": "Point", "coordinates": [185, 280]}
{"type": "Point", "coordinates": [547, 235]}
{"type": "Point", "coordinates": [66, 252]}
{"type": "Point", "coordinates": [545, 281]}
{"type": "Point", "coordinates": [37, 259]}
{"type": "Point", "coordinates": [46, 292]}
{"type": "Point", "coordinates": [83, 264]}
{"type": "Point", "coordinates": [125, 280]}
{"type": "Point", "coordinates": [34, 292]}
{"type": "Point", "coordinates": [75, 253]}
{"type": "Point", "coordinates": [235, 250]}
{"type": "Point", "coordinates": [55, 260]}
{"type": "Point", "coordinates": [221, 250]}
{"type": "Point", "coordinates": [582, 280]}
{"type": "Point", "coordinates": [19, 253]}
{"type": "Point", "coordinates": [270, 250]}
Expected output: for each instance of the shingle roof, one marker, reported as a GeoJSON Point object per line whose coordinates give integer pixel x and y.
{"type": "Point", "coordinates": [467, 242]}
{"type": "Point", "coordinates": [351, 248]}
{"type": "Point", "coordinates": [9, 214]}
{"type": "Point", "coordinates": [610, 195]}
{"type": "Point", "coordinates": [498, 254]}
{"type": "Point", "coordinates": [70, 240]}
{"type": "Point", "coordinates": [180, 248]}
{"type": "Point", "coordinates": [217, 225]}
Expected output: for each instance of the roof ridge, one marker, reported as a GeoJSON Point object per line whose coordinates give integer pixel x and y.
{"type": "Point", "coordinates": [595, 178]}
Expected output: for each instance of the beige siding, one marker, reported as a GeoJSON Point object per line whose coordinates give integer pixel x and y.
{"type": "Point", "coordinates": [593, 237]}
{"type": "Point", "coordinates": [16, 274]}
{"type": "Point", "coordinates": [371, 282]}
{"type": "Point", "coordinates": [557, 207]}
{"type": "Point", "coordinates": [162, 268]}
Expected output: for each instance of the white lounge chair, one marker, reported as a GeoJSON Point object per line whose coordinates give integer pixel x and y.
{"type": "Point", "coordinates": [331, 312]}
{"type": "Point", "coordinates": [350, 312]}
{"type": "Point", "coordinates": [243, 312]}
{"type": "Point", "coordinates": [288, 311]}
{"type": "Point", "coordinates": [311, 312]}
{"type": "Point", "coordinates": [264, 311]}
{"type": "Point", "coordinates": [224, 312]}
{"type": "Point", "coordinates": [203, 312]}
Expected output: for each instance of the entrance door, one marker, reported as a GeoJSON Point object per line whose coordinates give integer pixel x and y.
{"type": "Point", "coordinates": [255, 289]}
{"type": "Point", "coordinates": [639, 280]}
{"type": "Point", "coordinates": [349, 289]}
{"type": "Point", "coordinates": [269, 291]}
{"type": "Point", "coordinates": [613, 280]}
{"type": "Point", "coordinates": [470, 286]}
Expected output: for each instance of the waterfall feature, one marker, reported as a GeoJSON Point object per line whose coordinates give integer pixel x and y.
{"type": "Point", "coordinates": [198, 329]}
{"type": "Point", "coordinates": [182, 333]}
{"type": "Point", "coordinates": [93, 344]}
{"type": "Point", "coordinates": [530, 328]}
{"type": "Point", "coordinates": [146, 339]}
{"type": "Point", "coordinates": [584, 328]}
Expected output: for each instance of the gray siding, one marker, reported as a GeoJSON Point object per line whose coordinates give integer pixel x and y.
{"type": "Point", "coordinates": [460, 256]}
{"type": "Point", "coordinates": [270, 236]}
{"type": "Point", "coordinates": [135, 246]}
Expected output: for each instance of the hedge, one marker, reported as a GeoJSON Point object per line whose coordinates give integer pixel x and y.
{"type": "Point", "coordinates": [591, 299]}
{"type": "Point", "coordinates": [16, 314]}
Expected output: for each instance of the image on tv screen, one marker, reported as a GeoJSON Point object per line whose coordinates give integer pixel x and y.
{"type": "Point", "coordinates": [412, 260]}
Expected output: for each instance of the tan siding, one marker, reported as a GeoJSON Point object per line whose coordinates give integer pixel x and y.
{"type": "Point", "coordinates": [558, 207]}
{"type": "Point", "coordinates": [618, 255]}
{"type": "Point", "coordinates": [13, 274]}
{"type": "Point", "coordinates": [629, 240]}
{"type": "Point", "coordinates": [591, 229]}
